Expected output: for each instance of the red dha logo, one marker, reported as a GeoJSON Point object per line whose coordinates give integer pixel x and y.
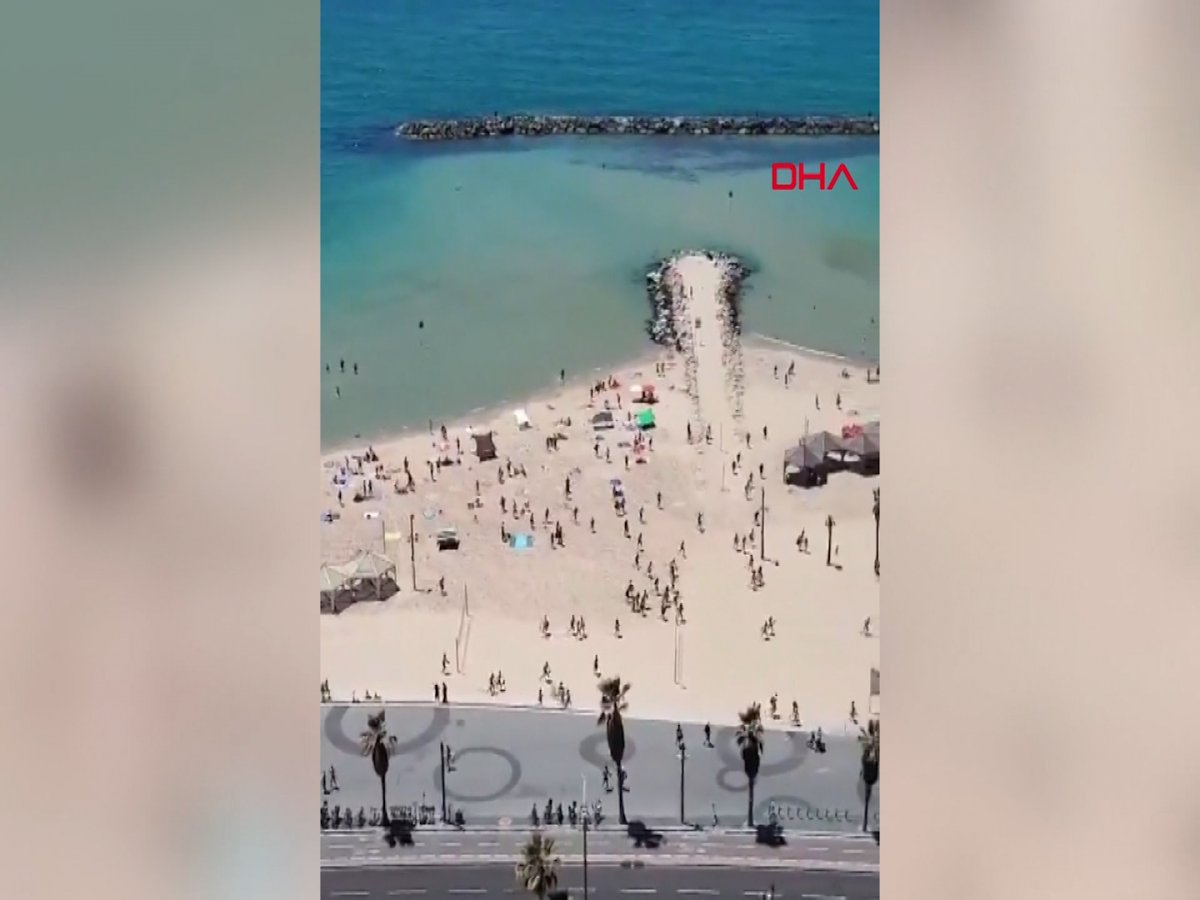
{"type": "Point", "coordinates": [791, 177]}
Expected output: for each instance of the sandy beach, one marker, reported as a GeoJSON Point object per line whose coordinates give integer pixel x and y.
{"type": "Point", "coordinates": [704, 667]}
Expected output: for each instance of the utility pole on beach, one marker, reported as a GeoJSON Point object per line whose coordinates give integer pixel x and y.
{"type": "Point", "coordinates": [678, 666]}
{"type": "Point", "coordinates": [412, 548]}
{"type": "Point", "coordinates": [762, 523]}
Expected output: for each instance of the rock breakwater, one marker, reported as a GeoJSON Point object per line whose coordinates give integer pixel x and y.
{"type": "Point", "coordinates": [482, 127]}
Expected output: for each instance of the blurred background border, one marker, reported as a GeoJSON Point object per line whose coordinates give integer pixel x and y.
{"type": "Point", "coordinates": [159, 261]}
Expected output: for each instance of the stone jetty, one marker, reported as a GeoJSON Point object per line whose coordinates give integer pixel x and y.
{"type": "Point", "coordinates": [481, 127]}
{"type": "Point", "coordinates": [676, 319]}
{"type": "Point", "coordinates": [669, 307]}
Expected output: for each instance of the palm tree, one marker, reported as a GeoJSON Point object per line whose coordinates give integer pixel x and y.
{"type": "Point", "coordinates": [868, 741]}
{"type": "Point", "coordinates": [537, 871]}
{"type": "Point", "coordinates": [829, 523]}
{"type": "Point", "coordinates": [612, 704]}
{"type": "Point", "coordinates": [750, 741]}
{"type": "Point", "coordinates": [380, 746]}
{"type": "Point", "coordinates": [875, 512]}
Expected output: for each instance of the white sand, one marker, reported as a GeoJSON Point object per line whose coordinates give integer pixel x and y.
{"type": "Point", "coordinates": [818, 658]}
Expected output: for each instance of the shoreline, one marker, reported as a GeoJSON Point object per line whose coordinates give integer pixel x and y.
{"type": "Point", "coordinates": [654, 352]}
{"type": "Point", "coordinates": [545, 539]}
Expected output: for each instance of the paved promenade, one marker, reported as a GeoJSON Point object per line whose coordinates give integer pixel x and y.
{"type": "Point", "coordinates": [506, 761]}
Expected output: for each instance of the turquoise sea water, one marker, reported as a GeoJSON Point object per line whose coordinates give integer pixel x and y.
{"type": "Point", "coordinates": [524, 257]}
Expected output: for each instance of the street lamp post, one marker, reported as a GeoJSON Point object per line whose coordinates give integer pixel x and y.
{"type": "Point", "coordinates": [682, 762]}
{"type": "Point", "coordinates": [447, 766]}
{"type": "Point", "coordinates": [585, 825]}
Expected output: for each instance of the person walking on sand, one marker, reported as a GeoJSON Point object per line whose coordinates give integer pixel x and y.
{"type": "Point", "coordinates": [853, 713]}
{"type": "Point", "coordinates": [866, 629]}
{"type": "Point", "coordinates": [596, 665]}
{"type": "Point", "coordinates": [617, 628]}
{"type": "Point", "coordinates": [445, 664]}
{"type": "Point", "coordinates": [682, 550]}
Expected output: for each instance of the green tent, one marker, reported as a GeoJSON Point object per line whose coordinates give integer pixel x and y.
{"type": "Point", "coordinates": [645, 418]}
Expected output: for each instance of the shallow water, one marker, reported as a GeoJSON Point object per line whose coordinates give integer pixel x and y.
{"type": "Point", "coordinates": [524, 257]}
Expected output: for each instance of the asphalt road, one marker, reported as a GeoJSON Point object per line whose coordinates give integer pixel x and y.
{"type": "Point", "coordinates": [674, 848]}
{"type": "Point", "coordinates": [603, 882]}
{"type": "Point", "coordinates": [508, 760]}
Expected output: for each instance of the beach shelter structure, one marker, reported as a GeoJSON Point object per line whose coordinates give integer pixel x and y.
{"type": "Point", "coordinates": [371, 573]}
{"type": "Point", "coordinates": [822, 443]}
{"type": "Point", "coordinates": [522, 418]}
{"type": "Point", "coordinates": [869, 453]}
{"type": "Point", "coordinates": [485, 446]}
{"type": "Point", "coordinates": [645, 419]}
{"type": "Point", "coordinates": [335, 593]}
{"type": "Point", "coordinates": [865, 447]}
{"type": "Point", "coordinates": [603, 420]}
{"type": "Point", "coordinates": [804, 468]}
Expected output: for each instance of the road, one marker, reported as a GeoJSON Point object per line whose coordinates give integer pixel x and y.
{"type": "Point", "coordinates": [676, 848]}
{"type": "Point", "coordinates": [507, 760]}
{"type": "Point", "coordinates": [603, 882]}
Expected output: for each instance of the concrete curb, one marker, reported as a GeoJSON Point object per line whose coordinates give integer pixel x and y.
{"type": "Point", "coordinates": [595, 859]}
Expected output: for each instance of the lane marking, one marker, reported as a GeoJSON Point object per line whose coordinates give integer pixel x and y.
{"type": "Point", "coordinates": [489, 843]}
{"type": "Point", "coordinates": [708, 891]}
{"type": "Point", "coordinates": [823, 897]}
{"type": "Point", "coordinates": [341, 847]}
{"type": "Point", "coordinates": [401, 891]}
{"type": "Point", "coordinates": [853, 851]}
{"type": "Point", "coordinates": [347, 893]}
{"type": "Point", "coordinates": [639, 890]}
{"type": "Point", "coordinates": [468, 890]}
{"type": "Point", "coordinates": [452, 844]}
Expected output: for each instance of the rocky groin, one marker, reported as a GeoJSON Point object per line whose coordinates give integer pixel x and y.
{"type": "Point", "coordinates": [481, 127]}
{"type": "Point", "coordinates": [672, 323]}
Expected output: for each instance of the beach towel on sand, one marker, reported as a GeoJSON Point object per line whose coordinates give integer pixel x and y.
{"type": "Point", "coordinates": [520, 541]}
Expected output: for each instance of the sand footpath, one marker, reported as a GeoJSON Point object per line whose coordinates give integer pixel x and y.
{"type": "Point", "coordinates": [818, 657]}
